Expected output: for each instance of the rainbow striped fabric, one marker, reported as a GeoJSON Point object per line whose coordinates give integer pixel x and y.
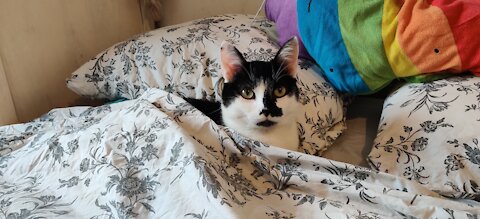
{"type": "Point", "coordinates": [362, 45]}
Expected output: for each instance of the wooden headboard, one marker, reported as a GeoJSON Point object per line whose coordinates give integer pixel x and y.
{"type": "Point", "coordinates": [42, 42]}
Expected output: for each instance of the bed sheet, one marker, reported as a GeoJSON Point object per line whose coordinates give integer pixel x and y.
{"type": "Point", "coordinates": [355, 143]}
{"type": "Point", "coordinates": [158, 157]}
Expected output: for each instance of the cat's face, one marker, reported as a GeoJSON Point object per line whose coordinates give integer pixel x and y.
{"type": "Point", "coordinates": [260, 95]}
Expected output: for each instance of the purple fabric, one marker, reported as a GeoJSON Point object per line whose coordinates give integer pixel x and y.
{"type": "Point", "coordinates": [284, 14]}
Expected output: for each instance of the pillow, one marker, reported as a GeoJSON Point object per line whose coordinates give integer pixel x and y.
{"type": "Point", "coordinates": [363, 46]}
{"type": "Point", "coordinates": [428, 133]}
{"type": "Point", "coordinates": [284, 14]}
{"type": "Point", "coordinates": [184, 59]}
{"type": "Point", "coordinates": [181, 59]}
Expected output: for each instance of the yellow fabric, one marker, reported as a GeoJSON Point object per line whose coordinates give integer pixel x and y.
{"type": "Point", "coordinates": [400, 63]}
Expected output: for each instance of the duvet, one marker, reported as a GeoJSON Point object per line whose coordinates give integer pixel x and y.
{"type": "Point", "coordinates": [157, 157]}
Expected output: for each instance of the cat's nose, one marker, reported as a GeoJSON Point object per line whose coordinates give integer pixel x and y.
{"type": "Point", "coordinates": [265, 112]}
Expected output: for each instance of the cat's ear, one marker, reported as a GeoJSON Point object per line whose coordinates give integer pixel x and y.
{"type": "Point", "coordinates": [231, 60]}
{"type": "Point", "coordinates": [287, 56]}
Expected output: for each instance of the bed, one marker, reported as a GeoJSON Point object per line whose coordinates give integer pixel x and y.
{"type": "Point", "coordinates": [147, 153]}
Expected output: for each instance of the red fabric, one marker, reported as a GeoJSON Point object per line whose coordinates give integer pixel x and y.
{"type": "Point", "coordinates": [464, 19]}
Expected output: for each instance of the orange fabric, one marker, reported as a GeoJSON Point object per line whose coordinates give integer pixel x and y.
{"type": "Point", "coordinates": [426, 37]}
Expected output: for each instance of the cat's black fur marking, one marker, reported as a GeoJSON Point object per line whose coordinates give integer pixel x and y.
{"type": "Point", "coordinates": [209, 108]}
{"type": "Point", "coordinates": [252, 75]}
{"type": "Point", "coordinates": [258, 72]}
{"type": "Point", "coordinates": [274, 74]}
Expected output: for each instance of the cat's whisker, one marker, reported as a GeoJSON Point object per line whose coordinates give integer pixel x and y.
{"type": "Point", "coordinates": [249, 73]}
{"type": "Point", "coordinates": [277, 74]}
{"type": "Point", "coordinates": [271, 66]}
{"type": "Point", "coordinates": [281, 76]}
{"type": "Point", "coordinates": [230, 98]}
{"type": "Point", "coordinates": [250, 68]}
{"type": "Point", "coordinates": [217, 110]}
{"type": "Point", "coordinates": [282, 67]}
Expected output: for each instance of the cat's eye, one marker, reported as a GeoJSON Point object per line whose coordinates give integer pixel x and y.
{"type": "Point", "coordinates": [247, 94]}
{"type": "Point", "coordinates": [280, 92]}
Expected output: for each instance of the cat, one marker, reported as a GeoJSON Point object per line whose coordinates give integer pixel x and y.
{"type": "Point", "coordinates": [259, 99]}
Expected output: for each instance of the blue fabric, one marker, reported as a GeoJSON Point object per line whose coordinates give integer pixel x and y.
{"type": "Point", "coordinates": [117, 100]}
{"type": "Point", "coordinates": [319, 29]}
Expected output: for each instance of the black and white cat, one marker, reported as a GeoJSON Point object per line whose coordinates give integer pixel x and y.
{"type": "Point", "coordinates": [259, 99]}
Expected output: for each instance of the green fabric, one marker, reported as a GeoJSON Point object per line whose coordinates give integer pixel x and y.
{"type": "Point", "coordinates": [361, 26]}
{"type": "Point", "coordinates": [427, 77]}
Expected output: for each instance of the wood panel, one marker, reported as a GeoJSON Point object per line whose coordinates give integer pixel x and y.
{"type": "Point", "coordinates": [178, 11]}
{"type": "Point", "coordinates": [42, 42]}
{"type": "Point", "coordinates": [7, 108]}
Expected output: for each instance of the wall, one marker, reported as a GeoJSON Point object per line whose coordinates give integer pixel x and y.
{"type": "Point", "coordinates": [178, 11]}
{"type": "Point", "coordinates": [42, 42]}
{"type": "Point", "coordinates": [7, 109]}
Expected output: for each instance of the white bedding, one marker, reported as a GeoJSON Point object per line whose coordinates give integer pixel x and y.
{"type": "Point", "coordinates": [428, 133]}
{"type": "Point", "coordinates": [157, 157]}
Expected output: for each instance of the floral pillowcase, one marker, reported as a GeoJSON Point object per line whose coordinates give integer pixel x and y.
{"type": "Point", "coordinates": [184, 60]}
{"type": "Point", "coordinates": [429, 133]}
{"type": "Point", "coordinates": [181, 59]}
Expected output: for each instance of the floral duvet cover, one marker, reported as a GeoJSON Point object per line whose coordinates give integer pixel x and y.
{"type": "Point", "coordinates": [157, 157]}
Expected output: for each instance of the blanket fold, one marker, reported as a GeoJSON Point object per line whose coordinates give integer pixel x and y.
{"type": "Point", "coordinates": [158, 157]}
